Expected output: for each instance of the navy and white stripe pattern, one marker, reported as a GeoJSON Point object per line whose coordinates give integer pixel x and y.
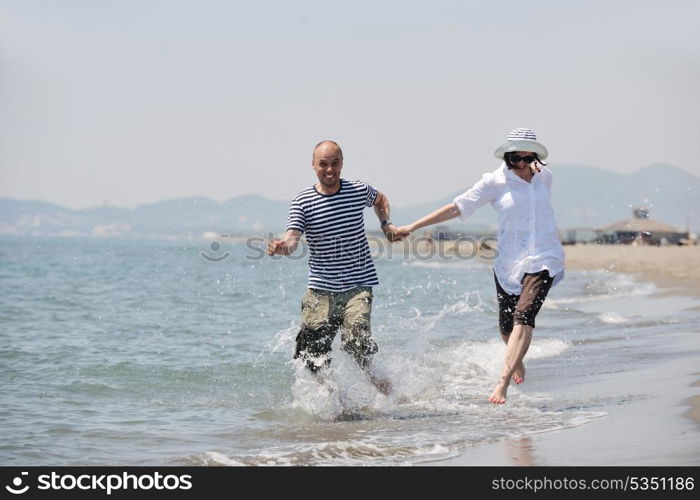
{"type": "Point", "coordinates": [520, 134]}
{"type": "Point", "coordinates": [339, 257]}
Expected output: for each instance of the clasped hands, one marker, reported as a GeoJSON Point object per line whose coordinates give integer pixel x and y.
{"type": "Point", "coordinates": [394, 233]}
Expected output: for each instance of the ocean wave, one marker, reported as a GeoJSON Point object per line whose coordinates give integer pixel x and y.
{"type": "Point", "coordinates": [350, 452]}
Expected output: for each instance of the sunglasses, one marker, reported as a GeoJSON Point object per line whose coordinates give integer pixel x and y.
{"type": "Point", "coordinates": [515, 159]}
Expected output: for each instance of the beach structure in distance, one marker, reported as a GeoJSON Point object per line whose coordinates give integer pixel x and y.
{"type": "Point", "coordinates": [642, 230]}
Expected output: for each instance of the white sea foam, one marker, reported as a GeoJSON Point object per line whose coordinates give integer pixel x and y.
{"type": "Point", "coordinates": [471, 302]}
{"type": "Point", "coordinates": [335, 390]}
{"type": "Point", "coordinates": [612, 318]}
{"type": "Point", "coordinates": [283, 340]}
{"type": "Point", "coordinates": [345, 452]}
{"type": "Point", "coordinates": [472, 367]}
{"type": "Point", "coordinates": [601, 286]}
{"type": "Point", "coordinates": [213, 457]}
{"type": "Point", "coordinates": [427, 264]}
{"type": "Point", "coordinates": [547, 348]}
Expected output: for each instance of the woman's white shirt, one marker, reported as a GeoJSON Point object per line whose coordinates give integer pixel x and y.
{"type": "Point", "coordinates": [528, 239]}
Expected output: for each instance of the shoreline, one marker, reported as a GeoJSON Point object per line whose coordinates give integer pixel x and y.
{"type": "Point", "coordinates": [671, 414]}
{"type": "Point", "coordinates": [679, 276]}
{"type": "Point", "coordinates": [618, 438]}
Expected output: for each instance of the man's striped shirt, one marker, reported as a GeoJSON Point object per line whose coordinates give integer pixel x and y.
{"type": "Point", "coordinates": [339, 257]}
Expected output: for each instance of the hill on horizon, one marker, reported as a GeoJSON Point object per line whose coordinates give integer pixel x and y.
{"type": "Point", "coordinates": [582, 197]}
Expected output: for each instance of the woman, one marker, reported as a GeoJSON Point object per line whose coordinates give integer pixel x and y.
{"type": "Point", "coordinates": [530, 256]}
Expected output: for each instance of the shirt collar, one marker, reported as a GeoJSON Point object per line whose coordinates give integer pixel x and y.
{"type": "Point", "coordinates": [512, 175]}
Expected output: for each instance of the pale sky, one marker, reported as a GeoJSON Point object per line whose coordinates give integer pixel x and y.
{"type": "Point", "coordinates": [135, 101]}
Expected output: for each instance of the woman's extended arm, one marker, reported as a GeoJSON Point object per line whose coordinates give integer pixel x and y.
{"type": "Point", "coordinates": [448, 212]}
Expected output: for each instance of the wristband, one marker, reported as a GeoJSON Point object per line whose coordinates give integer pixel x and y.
{"type": "Point", "coordinates": [385, 223]}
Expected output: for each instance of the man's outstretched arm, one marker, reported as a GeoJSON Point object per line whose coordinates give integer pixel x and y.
{"type": "Point", "coordinates": [383, 211]}
{"type": "Point", "coordinates": [286, 245]}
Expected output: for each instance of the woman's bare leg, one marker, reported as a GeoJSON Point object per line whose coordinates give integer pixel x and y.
{"type": "Point", "coordinates": [517, 347]}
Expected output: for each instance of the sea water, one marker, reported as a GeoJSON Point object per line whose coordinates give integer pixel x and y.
{"type": "Point", "coordinates": [122, 352]}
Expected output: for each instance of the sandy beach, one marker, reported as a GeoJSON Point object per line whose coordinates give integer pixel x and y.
{"type": "Point", "coordinates": [660, 430]}
{"type": "Point", "coordinates": [673, 267]}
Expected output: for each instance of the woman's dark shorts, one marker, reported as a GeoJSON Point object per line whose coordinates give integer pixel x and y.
{"type": "Point", "coordinates": [522, 309]}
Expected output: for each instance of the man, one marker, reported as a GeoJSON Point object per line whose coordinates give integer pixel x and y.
{"type": "Point", "coordinates": [341, 270]}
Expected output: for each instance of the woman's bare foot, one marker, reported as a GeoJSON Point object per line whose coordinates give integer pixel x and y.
{"type": "Point", "coordinates": [519, 374]}
{"type": "Point", "coordinates": [498, 396]}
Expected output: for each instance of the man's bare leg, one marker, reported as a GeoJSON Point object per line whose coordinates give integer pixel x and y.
{"type": "Point", "coordinates": [383, 385]}
{"type": "Point", "coordinates": [517, 347]}
{"type": "Point", "coordinates": [519, 374]}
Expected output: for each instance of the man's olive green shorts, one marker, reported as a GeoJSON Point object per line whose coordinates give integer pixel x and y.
{"type": "Point", "coordinates": [323, 313]}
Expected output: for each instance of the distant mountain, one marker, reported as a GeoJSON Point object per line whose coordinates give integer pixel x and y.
{"type": "Point", "coordinates": [255, 212]}
{"type": "Point", "coordinates": [183, 217]}
{"type": "Point", "coordinates": [17, 217]}
{"type": "Point", "coordinates": [582, 196]}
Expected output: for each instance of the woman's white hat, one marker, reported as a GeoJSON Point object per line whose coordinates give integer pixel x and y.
{"type": "Point", "coordinates": [521, 139]}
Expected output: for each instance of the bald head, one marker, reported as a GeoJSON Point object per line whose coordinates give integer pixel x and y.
{"type": "Point", "coordinates": [327, 162]}
{"type": "Point", "coordinates": [327, 148]}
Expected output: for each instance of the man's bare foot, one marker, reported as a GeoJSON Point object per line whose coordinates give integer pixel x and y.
{"type": "Point", "coordinates": [498, 396]}
{"type": "Point", "coordinates": [382, 385]}
{"type": "Point", "coordinates": [519, 374]}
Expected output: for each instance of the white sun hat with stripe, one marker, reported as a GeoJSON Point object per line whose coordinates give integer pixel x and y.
{"type": "Point", "coordinates": [521, 139]}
